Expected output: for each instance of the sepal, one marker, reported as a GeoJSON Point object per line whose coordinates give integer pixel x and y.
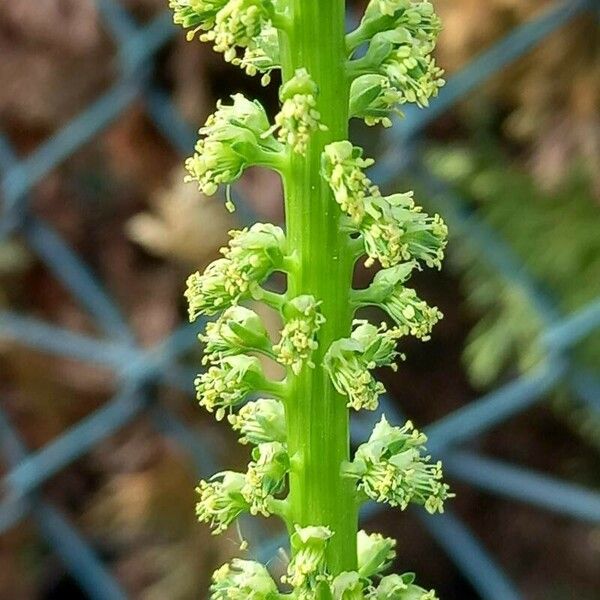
{"type": "Point", "coordinates": [237, 330]}
{"type": "Point", "coordinates": [375, 553]}
{"type": "Point", "coordinates": [260, 421]}
{"type": "Point", "coordinates": [303, 319]}
{"type": "Point", "coordinates": [347, 586]}
{"type": "Point", "coordinates": [401, 587]}
{"type": "Point", "coordinates": [243, 580]}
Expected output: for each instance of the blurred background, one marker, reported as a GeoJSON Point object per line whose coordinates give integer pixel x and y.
{"type": "Point", "coordinates": [101, 439]}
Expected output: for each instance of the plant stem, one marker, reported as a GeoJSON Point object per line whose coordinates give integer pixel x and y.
{"type": "Point", "coordinates": [317, 417]}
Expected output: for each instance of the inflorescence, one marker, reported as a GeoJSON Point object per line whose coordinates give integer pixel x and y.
{"type": "Point", "coordinates": [389, 64]}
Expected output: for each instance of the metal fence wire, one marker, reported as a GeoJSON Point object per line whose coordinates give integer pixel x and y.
{"type": "Point", "coordinates": [137, 368]}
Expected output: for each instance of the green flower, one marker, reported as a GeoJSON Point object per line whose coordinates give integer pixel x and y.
{"type": "Point", "coordinates": [308, 566]}
{"type": "Point", "coordinates": [412, 315]}
{"type": "Point", "coordinates": [266, 476]}
{"type": "Point", "coordinates": [342, 166]}
{"type": "Point", "coordinates": [221, 501]}
{"type": "Point", "coordinates": [302, 323]}
{"type": "Point", "coordinates": [261, 55]}
{"type": "Point", "coordinates": [238, 330]}
{"type": "Point", "coordinates": [349, 362]}
{"type": "Point", "coordinates": [375, 553]}
{"type": "Point", "coordinates": [373, 99]}
{"type": "Point", "coordinates": [298, 117]}
{"type": "Point", "coordinates": [236, 136]}
{"type": "Point", "coordinates": [225, 385]}
{"type": "Point", "coordinates": [243, 580]}
{"type": "Point", "coordinates": [262, 420]}
{"type": "Point", "coordinates": [199, 14]}
{"type": "Point", "coordinates": [392, 467]}
{"type": "Point", "coordinates": [401, 587]}
{"type": "Point", "coordinates": [251, 256]}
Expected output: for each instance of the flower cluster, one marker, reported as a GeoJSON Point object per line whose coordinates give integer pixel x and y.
{"type": "Point", "coordinates": [393, 228]}
{"type": "Point", "coordinates": [265, 476]}
{"type": "Point", "coordinates": [298, 117]}
{"type": "Point", "coordinates": [251, 256]}
{"type": "Point", "coordinates": [302, 323]}
{"type": "Point", "coordinates": [391, 467]}
{"type": "Point", "coordinates": [226, 384]}
{"type": "Point", "coordinates": [349, 362]}
{"type": "Point", "coordinates": [243, 580]}
{"type": "Point", "coordinates": [412, 315]}
{"type": "Point", "coordinates": [237, 330]}
{"type": "Point", "coordinates": [262, 420]}
{"type": "Point", "coordinates": [401, 35]}
{"type": "Point", "coordinates": [221, 501]}
{"type": "Point", "coordinates": [235, 137]}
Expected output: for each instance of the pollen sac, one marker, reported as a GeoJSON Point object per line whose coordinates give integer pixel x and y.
{"type": "Point", "coordinates": [307, 568]}
{"type": "Point", "coordinates": [401, 587]}
{"type": "Point", "coordinates": [243, 580]}
{"type": "Point", "coordinates": [260, 421]}
{"type": "Point", "coordinates": [235, 137]}
{"type": "Point", "coordinates": [251, 256]}
{"type": "Point", "coordinates": [238, 330]}
{"type": "Point", "coordinates": [221, 501]}
{"type": "Point", "coordinates": [266, 476]}
{"type": "Point", "coordinates": [225, 385]}
{"type": "Point", "coordinates": [298, 118]}
{"type": "Point", "coordinates": [303, 320]}
{"type": "Point", "coordinates": [349, 362]}
{"type": "Point", "coordinates": [412, 315]}
{"type": "Point", "coordinates": [375, 553]}
{"type": "Point", "coordinates": [392, 467]}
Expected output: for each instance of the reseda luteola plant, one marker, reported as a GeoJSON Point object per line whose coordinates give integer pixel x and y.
{"type": "Point", "coordinates": [301, 468]}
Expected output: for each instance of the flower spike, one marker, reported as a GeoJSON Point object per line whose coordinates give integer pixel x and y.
{"type": "Point", "coordinates": [349, 362]}
{"type": "Point", "coordinates": [391, 467]}
{"type": "Point", "coordinates": [262, 420]}
{"type": "Point", "coordinates": [303, 321]}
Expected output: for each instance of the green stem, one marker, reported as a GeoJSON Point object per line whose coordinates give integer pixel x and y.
{"type": "Point", "coordinates": [317, 417]}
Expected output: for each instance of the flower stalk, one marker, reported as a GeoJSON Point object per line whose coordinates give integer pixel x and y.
{"type": "Point", "coordinates": [302, 468]}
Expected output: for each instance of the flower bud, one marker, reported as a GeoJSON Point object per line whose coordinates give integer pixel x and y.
{"type": "Point", "coordinates": [401, 587]}
{"type": "Point", "coordinates": [350, 360]}
{"type": "Point", "coordinates": [266, 476]}
{"type": "Point", "coordinates": [303, 320]}
{"type": "Point", "coordinates": [375, 553]}
{"type": "Point", "coordinates": [307, 567]}
{"type": "Point", "coordinates": [221, 500]}
{"type": "Point", "coordinates": [243, 580]}
{"type": "Point", "coordinates": [225, 385]}
{"type": "Point", "coordinates": [391, 467]}
{"type": "Point", "coordinates": [373, 99]}
{"type": "Point", "coordinates": [260, 421]}
{"type": "Point", "coordinates": [238, 330]}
